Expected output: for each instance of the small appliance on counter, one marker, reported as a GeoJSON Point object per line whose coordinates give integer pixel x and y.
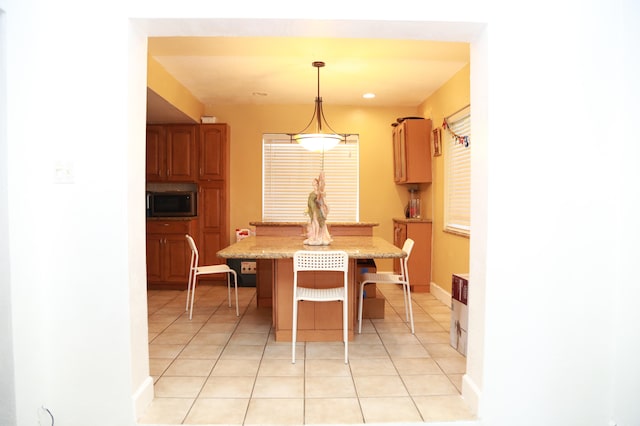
{"type": "Point", "coordinates": [412, 211]}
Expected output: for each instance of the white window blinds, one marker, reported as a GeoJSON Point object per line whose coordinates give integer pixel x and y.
{"type": "Point", "coordinates": [458, 180]}
{"type": "Point", "coordinates": [288, 171]}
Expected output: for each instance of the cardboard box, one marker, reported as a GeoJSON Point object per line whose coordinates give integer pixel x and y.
{"type": "Point", "coordinates": [367, 266]}
{"type": "Point", "coordinates": [373, 307]}
{"type": "Point", "coordinates": [459, 312]}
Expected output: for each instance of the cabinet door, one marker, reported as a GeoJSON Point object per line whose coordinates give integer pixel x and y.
{"type": "Point", "coordinates": [168, 253]}
{"type": "Point", "coordinates": [420, 260]}
{"type": "Point", "coordinates": [399, 155]}
{"type": "Point", "coordinates": [177, 256]}
{"type": "Point", "coordinates": [155, 162]}
{"type": "Point", "coordinates": [154, 257]}
{"type": "Point", "coordinates": [181, 153]}
{"type": "Point", "coordinates": [212, 150]}
{"type": "Point", "coordinates": [212, 213]}
{"type": "Point", "coordinates": [416, 135]}
{"type": "Point", "coordinates": [399, 237]}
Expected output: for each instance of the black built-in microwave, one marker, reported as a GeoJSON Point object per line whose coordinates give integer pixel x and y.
{"type": "Point", "coordinates": [172, 204]}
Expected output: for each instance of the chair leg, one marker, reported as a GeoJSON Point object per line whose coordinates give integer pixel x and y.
{"type": "Point", "coordinates": [235, 284]}
{"type": "Point", "coordinates": [345, 329]}
{"type": "Point", "coordinates": [406, 305]}
{"type": "Point", "coordinates": [409, 306]}
{"type": "Point", "coordinates": [360, 303]}
{"type": "Point", "coordinates": [186, 307]}
{"type": "Point", "coordinates": [229, 288]}
{"type": "Point", "coordinates": [193, 294]}
{"type": "Point", "coordinates": [294, 329]}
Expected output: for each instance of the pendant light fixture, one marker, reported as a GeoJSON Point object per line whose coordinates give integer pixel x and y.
{"type": "Point", "coordinates": [318, 141]}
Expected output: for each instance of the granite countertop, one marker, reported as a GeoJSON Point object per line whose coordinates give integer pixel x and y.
{"type": "Point", "coordinates": [330, 224]}
{"type": "Point", "coordinates": [411, 220]}
{"type": "Point", "coordinates": [279, 247]}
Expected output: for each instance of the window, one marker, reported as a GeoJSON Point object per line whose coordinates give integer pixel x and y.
{"type": "Point", "coordinates": [458, 172]}
{"type": "Point", "coordinates": [288, 171]}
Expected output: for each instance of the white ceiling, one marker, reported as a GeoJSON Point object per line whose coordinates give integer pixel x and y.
{"type": "Point", "coordinates": [278, 70]}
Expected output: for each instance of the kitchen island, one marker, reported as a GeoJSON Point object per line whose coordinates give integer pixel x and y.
{"type": "Point", "coordinates": [316, 321]}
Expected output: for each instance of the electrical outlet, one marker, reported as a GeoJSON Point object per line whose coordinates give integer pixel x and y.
{"type": "Point", "coordinates": [248, 268]}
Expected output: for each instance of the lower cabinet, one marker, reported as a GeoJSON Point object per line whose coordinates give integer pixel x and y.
{"type": "Point", "coordinates": [420, 260]}
{"type": "Point", "coordinates": [168, 253]}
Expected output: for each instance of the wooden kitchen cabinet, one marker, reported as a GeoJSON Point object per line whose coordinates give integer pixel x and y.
{"type": "Point", "coordinates": [213, 212]}
{"type": "Point", "coordinates": [213, 151]}
{"type": "Point", "coordinates": [213, 193]}
{"type": "Point", "coordinates": [412, 151]}
{"type": "Point", "coordinates": [196, 154]}
{"type": "Point", "coordinates": [168, 253]}
{"type": "Point", "coordinates": [171, 153]}
{"type": "Point", "coordinates": [420, 260]}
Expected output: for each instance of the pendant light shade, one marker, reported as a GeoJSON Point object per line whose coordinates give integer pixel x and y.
{"type": "Point", "coordinates": [318, 140]}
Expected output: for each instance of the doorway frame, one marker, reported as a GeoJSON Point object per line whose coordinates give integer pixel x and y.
{"type": "Point", "coordinates": [473, 33]}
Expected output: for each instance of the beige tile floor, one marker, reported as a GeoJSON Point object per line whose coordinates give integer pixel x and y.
{"type": "Point", "coordinates": [221, 369]}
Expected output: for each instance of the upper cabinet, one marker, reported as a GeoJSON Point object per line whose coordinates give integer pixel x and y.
{"type": "Point", "coordinates": [412, 151]}
{"type": "Point", "coordinates": [171, 153]}
{"type": "Point", "coordinates": [213, 151]}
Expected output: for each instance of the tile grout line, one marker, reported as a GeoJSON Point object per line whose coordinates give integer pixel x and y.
{"type": "Point", "coordinates": [393, 363]}
{"type": "Point", "coordinates": [378, 330]}
{"type": "Point", "coordinates": [255, 379]}
{"type": "Point", "coordinates": [191, 339]}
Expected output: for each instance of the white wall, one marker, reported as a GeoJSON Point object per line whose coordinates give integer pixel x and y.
{"type": "Point", "coordinates": [7, 396]}
{"type": "Point", "coordinates": [549, 249]}
{"type": "Point", "coordinates": [68, 102]}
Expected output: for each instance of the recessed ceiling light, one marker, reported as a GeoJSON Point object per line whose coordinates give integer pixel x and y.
{"type": "Point", "coordinates": [369, 95]}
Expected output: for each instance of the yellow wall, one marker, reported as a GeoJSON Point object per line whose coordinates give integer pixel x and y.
{"type": "Point", "coordinates": [450, 252]}
{"type": "Point", "coordinates": [165, 85]}
{"type": "Point", "coordinates": [380, 198]}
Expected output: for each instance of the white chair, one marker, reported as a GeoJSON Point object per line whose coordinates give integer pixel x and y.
{"type": "Point", "coordinates": [195, 271]}
{"type": "Point", "coordinates": [391, 278]}
{"type": "Point", "coordinates": [311, 260]}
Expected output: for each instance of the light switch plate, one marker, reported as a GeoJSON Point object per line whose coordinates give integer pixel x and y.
{"type": "Point", "coordinates": [63, 172]}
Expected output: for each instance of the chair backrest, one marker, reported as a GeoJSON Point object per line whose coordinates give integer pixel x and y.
{"type": "Point", "coordinates": [312, 260]}
{"type": "Point", "coordinates": [407, 247]}
{"type": "Point", "coordinates": [194, 251]}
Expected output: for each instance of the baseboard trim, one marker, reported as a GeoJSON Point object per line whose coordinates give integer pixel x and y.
{"type": "Point", "coordinates": [441, 294]}
{"type": "Point", "coordinates": [471, 394]}
{"type": "Point", "coordinates": [143, 396]}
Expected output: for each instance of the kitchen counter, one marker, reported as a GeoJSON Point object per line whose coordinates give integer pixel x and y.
{"type": "Point", "coordinates": [282, 247]}
{"type": "Point", "coordinates": [300, 228]}
{"type": "Point", "coordinates": [412, 220]}
{"type": "Point", "coordinates": [337, 224]}
{"type": "Point", "coordinates": [274, 283]}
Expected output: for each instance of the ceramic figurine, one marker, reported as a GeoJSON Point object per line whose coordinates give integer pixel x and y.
{"type": "Point", "coordinates": [317, 209]}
